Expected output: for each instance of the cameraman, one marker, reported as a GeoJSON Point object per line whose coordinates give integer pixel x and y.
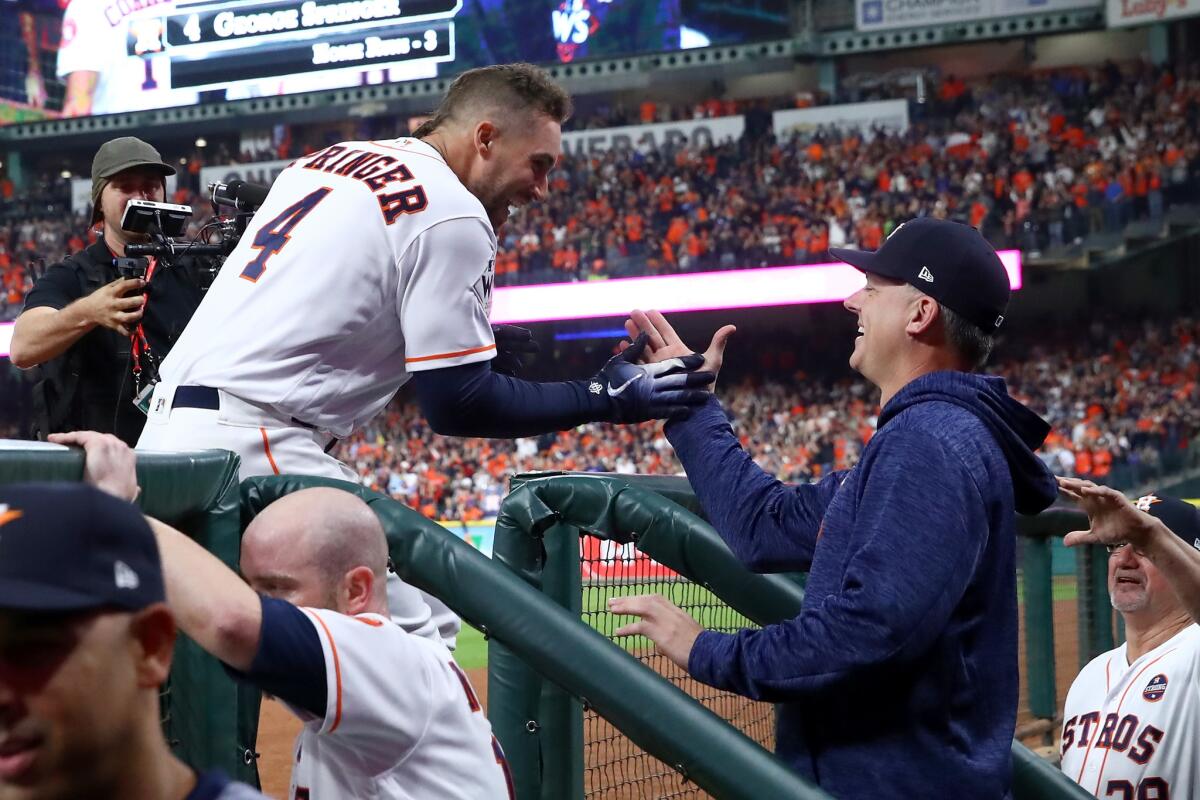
{"type": "Point", "coordinates": [96, 336]}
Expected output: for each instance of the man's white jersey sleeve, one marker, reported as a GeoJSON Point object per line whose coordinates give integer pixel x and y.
{"type": "Point", "coordinates": [445, 295]}
{"type": "Point", "coordinates": [87, 39]}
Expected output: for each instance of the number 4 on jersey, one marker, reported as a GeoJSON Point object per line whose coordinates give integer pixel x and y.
{"type": "Point", "coordinates": [272, 236]}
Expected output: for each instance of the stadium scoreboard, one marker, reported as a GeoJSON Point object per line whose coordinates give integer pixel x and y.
{"type": "Point", "coordinates": [212, 44]}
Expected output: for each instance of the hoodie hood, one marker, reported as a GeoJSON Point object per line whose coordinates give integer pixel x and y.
{"type": "Point", "coordinates": [1018, 430]}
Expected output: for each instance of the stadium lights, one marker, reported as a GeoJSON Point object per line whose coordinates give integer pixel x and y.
{"type": "Point", "coordinates": [746, 288]}
{"type": "Point", "coordinates": [201, 142]}
{"type": "Point", "coordinates": [65, 174]}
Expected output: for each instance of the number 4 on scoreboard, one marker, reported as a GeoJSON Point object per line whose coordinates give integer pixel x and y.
{"type": "Point", "coordinates": [272, 236]}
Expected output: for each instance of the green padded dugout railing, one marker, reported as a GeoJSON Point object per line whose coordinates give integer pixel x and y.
{"type": "Point", "coordinates": [538, 537]}
{"type": "Point", "coordinates": [1091, 610]}
{"type": "Point", "coordinates": [556, 644]}
{"type": "Point", "coordinates": [196, 493]}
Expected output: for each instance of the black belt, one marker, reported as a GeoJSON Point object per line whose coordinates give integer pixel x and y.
{"type": "Point", "coordinates": [210, 398]}
{"type": "Point", "coordinates": [196, 397]}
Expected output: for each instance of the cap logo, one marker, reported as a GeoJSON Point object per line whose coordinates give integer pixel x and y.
{"type": "Point", "coordinates": [7, 514]}
{"type": "Point", "coordinates": [925, 274]}
{"type": "Point", "coordinates": [1144, 503]}
{"type": "Point", "coordinates": [124, 576]}
{"type": "Point", "coordinates": [999, 320]}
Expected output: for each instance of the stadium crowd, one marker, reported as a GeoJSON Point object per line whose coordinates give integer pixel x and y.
{"type": "Point", "coordinates": [1122, 400]}
{"type": "Point", "coordinates": [1035, 161]}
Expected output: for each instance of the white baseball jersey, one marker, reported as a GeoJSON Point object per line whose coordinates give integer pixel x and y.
{"type": "Point", "coordinates": [401, 721]}
{"type": "Point", "coordinates": [96, 37]}
{"type": "Point", "coordinates": [1130, 729]}
{"type": "Point", "coordinates": [369, 261]}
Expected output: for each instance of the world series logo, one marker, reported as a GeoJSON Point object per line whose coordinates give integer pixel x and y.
{"type": "Point", "coordinates": [1155, 689]}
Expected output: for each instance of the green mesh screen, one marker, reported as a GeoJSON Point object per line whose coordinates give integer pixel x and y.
{"type": "Point", "coordinates": [615, 768]}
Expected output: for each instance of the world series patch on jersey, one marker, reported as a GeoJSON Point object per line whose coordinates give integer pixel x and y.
{"type": "Point", "coordinates": [1129, 730]}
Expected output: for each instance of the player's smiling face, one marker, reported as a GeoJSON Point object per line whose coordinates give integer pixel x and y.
{"type": "Point", "coordinates": [882, 309]}
{"type": "Point", "coordinates": [69, 703]}
{"type": "Point", "coordinates": [515, 165]}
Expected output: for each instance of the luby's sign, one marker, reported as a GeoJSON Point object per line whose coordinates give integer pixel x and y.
{"type": "Point", "coordinates": [1124, 13]}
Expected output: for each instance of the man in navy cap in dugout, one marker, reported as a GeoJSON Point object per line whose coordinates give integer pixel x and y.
{"type": "Point", "coordinates": [86, 641]}
{"type": "Point", "coordinates": [899, 676]}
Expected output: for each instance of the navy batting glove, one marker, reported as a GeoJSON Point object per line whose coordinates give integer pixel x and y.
{"type": "Point", "coordinates": [513, 345]}
{"type": "Point", "coordinates": [640, 392]}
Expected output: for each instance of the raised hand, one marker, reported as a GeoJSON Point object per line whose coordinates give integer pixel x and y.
{"type": "Point", "coordinates": [662, 390]}
{"type": "Point", "coordinates": [664, 343]}
{"type": "Point", "coordinates": [1111, 517]}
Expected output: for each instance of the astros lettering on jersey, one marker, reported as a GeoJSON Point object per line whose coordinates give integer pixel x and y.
{"type": "Point", "coordinates": [368, 261]}
{"type": "Point", "coordinates": [1130, 729]}
{"type": "Point", "coordinates": [402, 720]}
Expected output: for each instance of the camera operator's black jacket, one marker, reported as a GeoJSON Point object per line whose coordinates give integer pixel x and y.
{"type": "Point", "coordinates": [91, 385]}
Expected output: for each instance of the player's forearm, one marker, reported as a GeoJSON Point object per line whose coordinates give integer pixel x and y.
{"type": "Point", "coordinates": [471, 400]}
{"type": "Point", "coordinates": [41, 334]}
{"type": "Point", "coordinates": [1179, 563]}
{"type": "Point", "coordinates": [769, 525]}
{"type": "Point", "coordinates": [212, 604]}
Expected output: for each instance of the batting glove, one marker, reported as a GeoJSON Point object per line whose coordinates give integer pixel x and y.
{"type": "Point", "coordinates": [513, 345]}
{"type": "Point", "coordinates": [640, 392]}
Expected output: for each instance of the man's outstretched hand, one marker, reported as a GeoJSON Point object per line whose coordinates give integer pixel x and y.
{"type": "Point", "coordinates": [672, 629]}
{"type": "Point", "coordinates": [664, 343]}
{"type": "Point", "coordinates": [665, 389]}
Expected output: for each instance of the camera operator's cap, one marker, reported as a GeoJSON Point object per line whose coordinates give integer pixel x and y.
{"type": "Point", "coordinates": [949, 261]}
{"type": "Point", "coordinates": [71, 547]}
{"type": "Point", "coordinates": [1180, 516]}
{"type": "Point", "coordinates": [118, 155]}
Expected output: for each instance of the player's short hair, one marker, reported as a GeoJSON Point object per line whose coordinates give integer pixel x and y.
{"type": "Point", "coordinates": [503, 87]}
{"type": "Point", "coordinates": [972, 343]}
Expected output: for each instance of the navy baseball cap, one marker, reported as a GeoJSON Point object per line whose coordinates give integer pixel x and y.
{"type": "Point", "coordinates": [1180, 516]}
{"type": "Point", "coordinates": [71, 547]}
{"type": "Point", "coordinates": [949, 261]}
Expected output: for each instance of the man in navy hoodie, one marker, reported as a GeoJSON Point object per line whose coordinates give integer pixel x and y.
{"type": "Point", "coordinates": [899, 676]}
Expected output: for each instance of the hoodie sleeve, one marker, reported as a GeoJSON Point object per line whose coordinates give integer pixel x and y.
{"type": "Point", "coordinates": [921, 526]}
{"type": "Point", "coordinates": [769, 525]}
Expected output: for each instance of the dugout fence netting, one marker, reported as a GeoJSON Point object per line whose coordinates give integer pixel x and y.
{"type": "Point", "coordinates": [615, 768]}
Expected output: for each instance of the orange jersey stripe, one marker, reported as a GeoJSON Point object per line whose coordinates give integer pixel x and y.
{"type": "Point", "coordinates": [267, 450]}
{"type": "Point", "coordinates": [436, 356]}
{"type": "Point", "coordinates": [337, 671]}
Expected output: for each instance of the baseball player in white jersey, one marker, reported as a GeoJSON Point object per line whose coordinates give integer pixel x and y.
{"type": "Point", "coordinates": [1132, 713]}
{"type": "Point", "coordinates": [370, 264]}
{"type": "Point", "coordinates": [386, 714]}
{"type": "Point", "coordinates": [103, 71]}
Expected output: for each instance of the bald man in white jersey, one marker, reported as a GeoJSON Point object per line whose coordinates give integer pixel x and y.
{"type": "Point", "coordinates": [386, 714]}
{"type": "Point", "coordinates": [1132, 715]}
{"type": "Point", "coordinates": [370, 264]}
